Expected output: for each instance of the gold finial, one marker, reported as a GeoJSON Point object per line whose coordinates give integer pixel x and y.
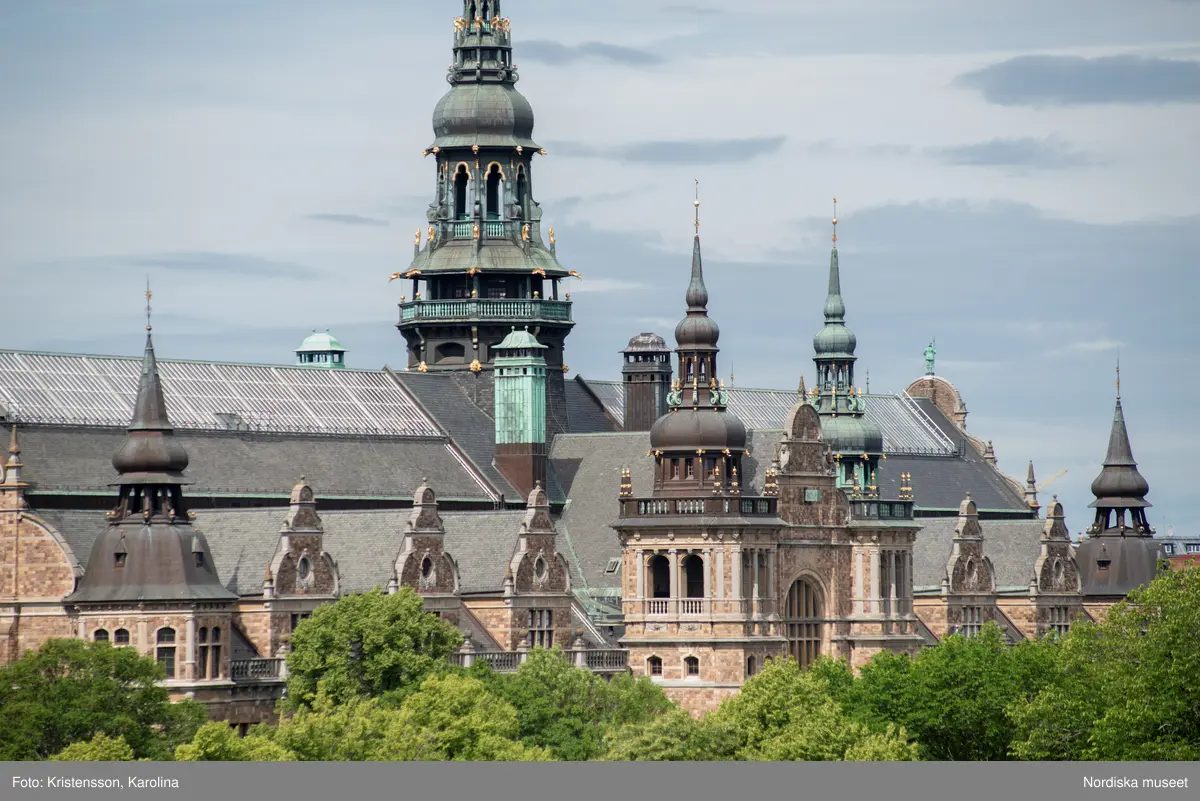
{"type": "Point", "coordinates": [429, 232]}
{"type": "Point", "coordinates": [835, 222]}
{"type": "Point", "coordinates": [525, 232]}
{"type": "Point", "coordinates": [696, 203]}
{"type": "Point", "coordinates": [417, 238]}
{"type": "Point", "coordinates": [552, 235]}
{"type": "Point", "coordinates": [149, 295]}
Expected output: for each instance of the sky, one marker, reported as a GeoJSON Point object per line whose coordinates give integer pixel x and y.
{"type": "Point", "coordinates": [1016, 180]}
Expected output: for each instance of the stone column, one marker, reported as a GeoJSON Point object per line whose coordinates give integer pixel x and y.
{"type": "Point", "coordinates": [82, 629]}
{"type": "Point", "coordinates": [189, 651]}
{"type": "Point", "coordinates": [708, 567]}
{"type": "Point", "coordinates": [772, 591]}
{"type": "Point", "coordinates": [875, 557]}
{"type": "Point", "coordinates": [859, 584]}
{"type": "Point", "coordinates": [673, 556]}
{"type": "Point", "coordinates": [892, 577]}
{"type": "Point", "coordinates": [145, 647]}
{"type": "Point", "coordinates": [756, 602]}
{"type": "Point", "coordinates": [639, 560]}
{"type": "Point", "coordinates": [721, 573]}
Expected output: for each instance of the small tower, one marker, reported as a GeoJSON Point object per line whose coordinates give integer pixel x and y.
{"type": "Point", "coordinates": [647, 377]}
{"type": "Point", "coordinates": [1120, 553]}
{"type": "Point", "coordinates": [1031, 490]}
{"type": "Point", "coordinates": [151, 555]}
{"type": "Point", "coordinates": [520, 368]}
{"type": "Point", "coordinates": [321, 350]}
{"type": "Point", "coordinates": [423, 563]}
{"type": "Point", "coordinates": [856, 442]}
{"type": "Point", "coordinates": [972, 585]}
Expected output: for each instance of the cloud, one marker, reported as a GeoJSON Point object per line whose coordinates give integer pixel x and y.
{"type": "Point", "coordinates": [699, 151]}
{"type": "Point", "coordinates": [1049, 153]}
{"type": "Point", "coordinates": [1075, 80]}
{"type": "Point", "coordinates": [228, 263]}
{"type": "Point", "coordinates": [558, 54]}
{"type": "Point", "coordinates": [697, 11]}
{"type": "Point", "coordinates": [1086, 346]}
{"type": "Point", "coordinates": [347, 219]}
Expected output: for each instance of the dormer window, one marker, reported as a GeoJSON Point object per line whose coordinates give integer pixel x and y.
{"type": "Point", "coordinates": [119, 559]}
{"type": "Point", "coordinates": [1103, 564]}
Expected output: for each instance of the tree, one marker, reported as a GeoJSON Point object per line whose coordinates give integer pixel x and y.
{"type": "Point", "coordinates": [891, 745]}
{"type": "Point", "coordinates": [671, 737]}
{"type": "Point", "coordinates": [1128, 688]}
{"type": "Point", "coordinates": [328, 731]}
{"type": "Point", "coordinates": [70, 690]}
{"type": "Point", "coordinates": [954, 697]}
{"type": "Point", "coordinates": [101, 748]}
{"type": "Point", "coordinates": [218, 742]}
{"type": "Point", "coordinates": [567, 709]}
{"type": "Point", "coordinates": [456, 718]}
{"type": "Point", "coordinates": [368, 645]}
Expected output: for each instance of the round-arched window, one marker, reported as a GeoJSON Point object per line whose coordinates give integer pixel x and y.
{"type": "Point", "coordinates": [426, 567]}
{"type": "Point", "coordinates": [304, 568]}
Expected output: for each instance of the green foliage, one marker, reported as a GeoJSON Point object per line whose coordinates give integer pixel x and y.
{"type": "Point", "coordinates": [101, 748]}
{"type": "Point", "coordinates": [456, 718]}
{"type": "Point", "coordinates": [1128, 687]}
{"type": "Point", "coordinates": [568, 710]}
{"type": "Point", "coordinates": [954, 698]}
{"type": "Point", "coordinates": [218, 742]}
{"type": "Point", "coordinates": [331, 731]}
{"type": "Point", "coordinates": [671, 737]}
{"type": "Point", "coordinates": [369, 645]}
{"type": "Point", "coordinates": [890, 745]}
{"type": "Point", "coordinates": [69, 691]}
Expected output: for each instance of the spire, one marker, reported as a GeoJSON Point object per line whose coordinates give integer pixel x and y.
{"type": "Point", "coordinates": [697, 293]}
{"type": "Point", "coordinates": [1119, 485]}
{"type": "Point", "coordinates": [1031, 489]}
{"type": "Point", "coordinates": [835, 307]}
{"type": "Point", "coordinates": [150, 408]}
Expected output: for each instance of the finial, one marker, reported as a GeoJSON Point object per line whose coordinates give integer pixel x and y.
{"type": "Point", "coordinates": [835, 222]}
{"type": "Point", "coordinates": [1118, 376]}
{"type": "Point", "coordinates": [14, 447]}
{"type": "Point", "coordinates": [149, 295]}
{"type": "Point", "coordinates": [696, 203]}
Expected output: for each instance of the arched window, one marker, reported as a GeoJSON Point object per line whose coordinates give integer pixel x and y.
{"type": "Point", "coordinates": [691, 667]}
{"type": "Point", "coordinates": [461, 179]}
{"type": "Point", "coordinates": [202, 654]}
{"type": "Point", "coordinates": [165, 654]}
{"type": "Point", "coordinates": [803, 622]}
{"type": "Point", "coordinates": [660, 576]}
{"type": "Point", "coordinates": [495, 192]}
{"type": "Point", "coordinates": [215, 653]}
{"type": "Point", "coordinates": [121, 637]}
{"type": "Point", "coordinates": [101, 635]}
{"type": "Point", "coordinates": [654, 666]}
{"type": "Point", "coordinates": [522, 190]}
{"type": "Point", "coordinates": [471, 14]}
{"type": "Point", "coordinates": [751, 666]}
{"type": "Point", "coordinates": [693, 573]}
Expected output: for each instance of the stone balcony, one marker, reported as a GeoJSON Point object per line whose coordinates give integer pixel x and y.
{"type": "Point", "coordinates": [515, 310]}
{"type": "Point", "coordinates": [704, 506]}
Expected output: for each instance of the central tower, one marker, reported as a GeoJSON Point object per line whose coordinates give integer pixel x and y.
{"type": "Point", "coordinates": [485, 264]}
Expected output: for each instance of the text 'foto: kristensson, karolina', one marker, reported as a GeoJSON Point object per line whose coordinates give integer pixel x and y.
{"type": "Point", "coordinates": [1109, 782]}
{"type": "Point", "coordinates": [81, 783]}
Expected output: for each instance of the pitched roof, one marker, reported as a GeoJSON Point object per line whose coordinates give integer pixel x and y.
{"type": "Point", "coordinates": [907, 427]}
{"type": "Point", "coordinates": [77, 389]}
{"type": "Point", "coordinates": [1012, 546]}
{"type": "Point", "coordinates": [364, 543]}
{"type": "Point", "coordinates": [77, 459]}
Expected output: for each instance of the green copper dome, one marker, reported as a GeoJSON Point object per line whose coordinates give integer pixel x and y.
{"type": "Point", "coordinates": [520, 339]}
{"type": "Point", "coordinates": [850, 434]}
{"type": "Point", "coordinates": [835, 339]}
{"type": "Point", "coordinates": [483, 114]}
{"type": "Point", "coordinates": [318, 342]}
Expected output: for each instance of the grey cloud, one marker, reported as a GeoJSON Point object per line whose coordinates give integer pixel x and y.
{"type": "Point", "coordinates": [227, 263]}
{"type": "Point", "coordinates": [1047, 154]}
{"type": "Point", "coordinates": [556, 53]}
{"type": "Point", "coordinates": [1074, 80]}
{"type": "Point", "coordinates": [347, 219]}
{"type": "Point", "coordinates": [700, 151]}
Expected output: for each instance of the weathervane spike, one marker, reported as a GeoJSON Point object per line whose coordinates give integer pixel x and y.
{"type": "Point", "coordinates": [696, 203]}
{"type": "Point", "coordinates": [835, 222]}
{"type": "Point", "coordinates": [149, 295]}
{"type": "Point", "coordinates": [1118, 376]}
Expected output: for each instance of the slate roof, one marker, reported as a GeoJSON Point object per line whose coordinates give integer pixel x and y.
{"type": "Point", "coordinates": [77, 459]}
{"type": "Point", "coordinates": [100, 390]}
{"type": "Point", "coordinates": [1012, 545]}
{"type": "Point", "coordinates": [364, 543]}
{"type": "Point", "coordinates": [907, 427]}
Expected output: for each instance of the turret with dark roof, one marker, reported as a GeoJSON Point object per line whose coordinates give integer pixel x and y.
{"type": "Point", "coordinates": [150, 550]}
{"type": "Point", "coordinates": [1120, 553]}
{"type": "Point", "coordinates": [698, 434]}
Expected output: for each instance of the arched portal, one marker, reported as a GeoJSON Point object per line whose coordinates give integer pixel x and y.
{"type": "Point", "coordinates": [660, 576]}
{"type": "Point", "coordinates": [693, 575]}
{"type": "Point", "coordinates": [803, 622]}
